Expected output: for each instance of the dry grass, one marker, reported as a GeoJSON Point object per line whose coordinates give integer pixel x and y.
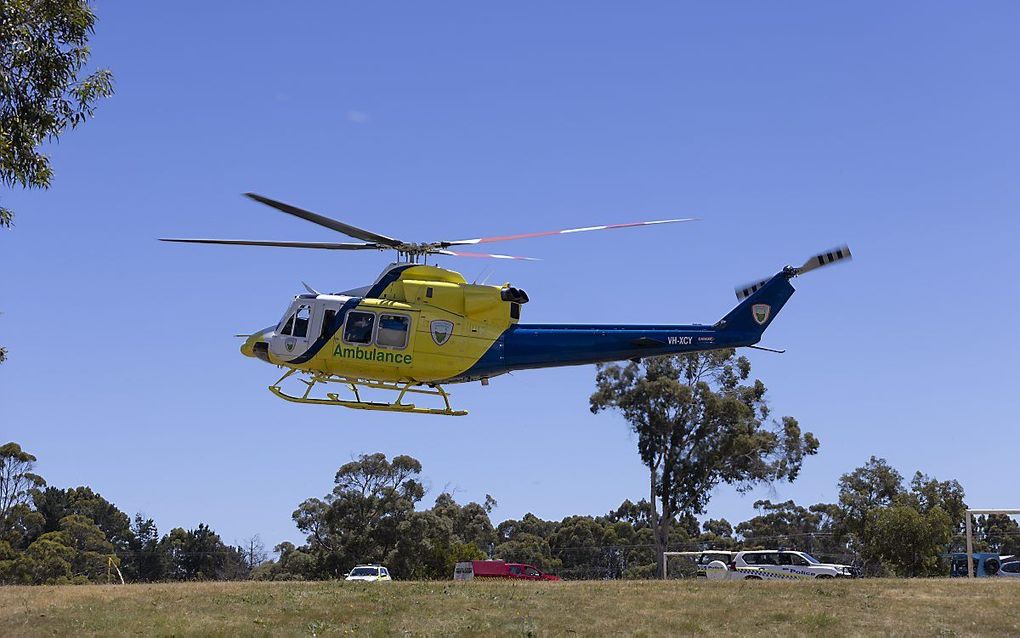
{"type": "Point", "coordinates": [868, 607]}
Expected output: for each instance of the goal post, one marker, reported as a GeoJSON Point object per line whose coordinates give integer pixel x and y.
{"type": "Point", "coordinates": [970, 533]}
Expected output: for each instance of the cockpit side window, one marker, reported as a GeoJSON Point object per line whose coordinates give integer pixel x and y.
{"type": "Point", "coordinates": [392, 331]}
{"type": "Point", "coordinates": [304, 315]}
{"type": "Point", "coordinates": [358, 328]}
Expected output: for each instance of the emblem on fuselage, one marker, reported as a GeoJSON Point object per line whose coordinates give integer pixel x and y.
{"type": "Point", "coordinates": [441, 331]}
{"type": "Point", "coordinates": [289, 344]}
{"type": "Point", "coordinates": [761, 312]}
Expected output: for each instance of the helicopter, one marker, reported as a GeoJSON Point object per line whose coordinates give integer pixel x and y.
{"type": "Point", "coordinates": [419, 327]}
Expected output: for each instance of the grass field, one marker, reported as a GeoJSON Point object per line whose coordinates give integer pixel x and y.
{"type": "Point", "coordinates": [921, 607]}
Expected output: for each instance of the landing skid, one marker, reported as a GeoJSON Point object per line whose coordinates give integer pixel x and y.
{"type": "Point", "coordinates": [332, 398]}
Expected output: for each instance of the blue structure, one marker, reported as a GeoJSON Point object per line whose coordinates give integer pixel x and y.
{"type": "Point", "coordinates": [985, 564]}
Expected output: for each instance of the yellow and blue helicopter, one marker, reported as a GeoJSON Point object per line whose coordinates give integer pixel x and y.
{"type": "Point", "coordinates": [419, 327]}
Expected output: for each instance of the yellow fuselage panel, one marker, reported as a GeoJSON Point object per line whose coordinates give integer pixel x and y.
{"type": "Point", "coordinates": [430, 355]}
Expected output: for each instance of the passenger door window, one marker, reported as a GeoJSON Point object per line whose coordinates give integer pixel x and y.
{"type": "Point", "coordinates": [328, 317]}
{"type": "Point", "coordinates": [798, 560]}
{"type": "Point", "coordinates": [359, 327]}
{"type": "Point", "coordinates": [393, 330]}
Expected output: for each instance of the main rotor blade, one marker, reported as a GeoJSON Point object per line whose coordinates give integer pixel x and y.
{"type": "Point", "coordinates": [332, 224]}
{"type": "Point", "coordinates": [566, 231]}
{"type": "Point", "coordinates": [457, 253]}
{"type": "Point", "coordinates": [324, 245]}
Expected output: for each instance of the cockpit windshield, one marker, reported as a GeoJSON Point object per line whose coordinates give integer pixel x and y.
{"type": "Point", "coordinates": [296, 322]}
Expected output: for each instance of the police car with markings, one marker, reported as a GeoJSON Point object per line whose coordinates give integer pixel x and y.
{"type": "Point", "coordinates": [783, 565]}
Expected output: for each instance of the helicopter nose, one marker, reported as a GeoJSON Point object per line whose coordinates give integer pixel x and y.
{"type": "Point", "coordinates": [257, 346]}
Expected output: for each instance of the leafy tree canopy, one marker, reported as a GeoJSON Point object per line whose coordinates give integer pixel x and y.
{"type": "Point", "coordinates": [701, 421]}
{"type": "Point", "coordinates": [18, 481]}
{"type": "Point", "coordinates": [43, 88]}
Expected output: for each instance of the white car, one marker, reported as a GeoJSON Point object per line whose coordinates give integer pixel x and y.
{"type": "Point", "coordinates": [710, 561]}
{"type": "Point", "coordinates": [1010, 567]}
{"type": "Point", "coordinates": [369, 573]}
{"type": "Point", "coordinates": [764, 564]}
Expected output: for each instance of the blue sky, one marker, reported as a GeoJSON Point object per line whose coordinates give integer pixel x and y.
{"type": "Point", "coordinates": [787, 127]}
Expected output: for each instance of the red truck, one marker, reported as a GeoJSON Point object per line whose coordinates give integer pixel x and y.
{"type": "Point", "coordinates": [498, 569]}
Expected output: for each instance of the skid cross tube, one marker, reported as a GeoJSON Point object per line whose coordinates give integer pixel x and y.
{"type": "Point", "coordinates": [332, 398]}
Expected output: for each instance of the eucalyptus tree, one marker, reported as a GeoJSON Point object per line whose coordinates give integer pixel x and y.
{"type": "Point", "coordinates": [44, 88]}
{"type": "Point", "coordinates": [701, 421]}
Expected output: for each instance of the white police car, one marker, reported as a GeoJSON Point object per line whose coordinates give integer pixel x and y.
{"type": "Point", "coordinates": [764, 564]}
{"type": "Point", "coordinates": [369, 574]}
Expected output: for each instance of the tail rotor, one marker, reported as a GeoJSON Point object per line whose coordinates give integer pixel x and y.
{"type": "Point", "coordinates": [827, 258]}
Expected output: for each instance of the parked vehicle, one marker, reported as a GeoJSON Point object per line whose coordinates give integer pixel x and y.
{"type": "Point", "coordinates": [470, 570]}
{"type": "Point", "coordinates": [1010, 567]}
{"type": "Point", "coordinates": [698, 563]}
{"type": "Point", "coordinates": [369, 574]}
{"type": "Point", "coordinates": [711, 560]}
{"type": "Point", "coordinates": [766, 564]}
{"type": "Point", "coordinates": [985, 564]}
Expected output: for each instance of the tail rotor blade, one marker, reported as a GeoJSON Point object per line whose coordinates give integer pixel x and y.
{"type": "Point", "coordinates": [829, 257]}
{"type": "Point", "coordinates": [745, 291]}
{"type": "Point", "coordinates": [824, 259]}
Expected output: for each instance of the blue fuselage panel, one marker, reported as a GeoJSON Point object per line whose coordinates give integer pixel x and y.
{"type": "Point", "coordinates": [525, 346]}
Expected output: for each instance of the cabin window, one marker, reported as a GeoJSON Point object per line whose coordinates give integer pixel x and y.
{"type": "Point", "coordinates": [328, 317]}
{"type": "Point", "coordinates": [392, 331]}
{"type": "Point", "coordinates": [359, 327]}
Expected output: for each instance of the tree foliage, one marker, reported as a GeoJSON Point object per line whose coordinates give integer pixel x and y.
{"type": "Point", "coordinates": [896, 530]}
{"type": "Point", "coordinates": [17, 481]}
{"type": "Point", "coordinates": [997, 533]}
{"type": "Point", "coordinates": [373, 514]}
{"type": "Point", "coordinates": [370, 517]}
{"type": "Point", "coordinates": [701, 421]}
{"type": "Point", "coordinates": [787, 524]}
{"type": "Point", "coordinates": [50, 535]}
{"type": "Point", "coordinates": [43, 86]}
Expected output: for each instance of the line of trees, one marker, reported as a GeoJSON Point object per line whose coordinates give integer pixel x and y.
{"type": "Point", "coordinates": [373, 513]}
{"type": "Point", "coordinates": [50, 535]}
